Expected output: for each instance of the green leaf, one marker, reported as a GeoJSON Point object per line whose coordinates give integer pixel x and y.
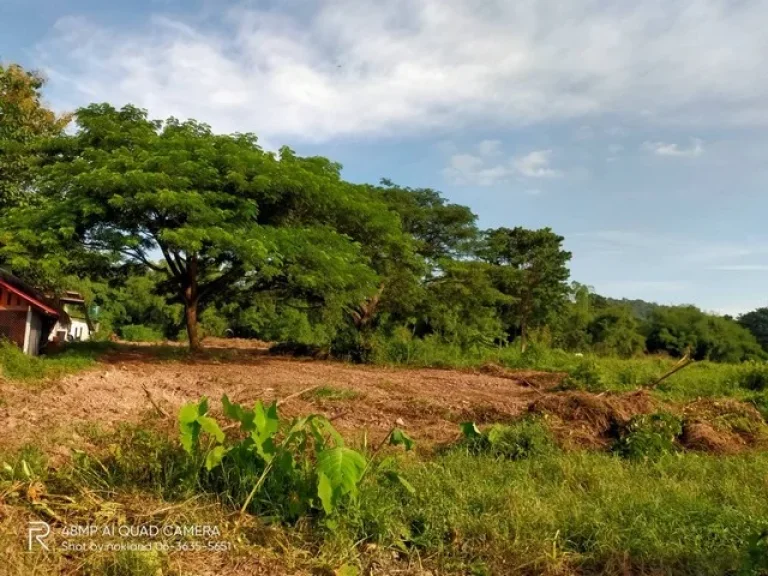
{"type": "Point", "coordinates": [210, 426]}
{"type": "Point", "coordinates": [214, 457]}
{"type": "Point", "coordinates": [325, 492]}
{"type": "Point", "coordinates": [238, 413]}
{"type": "Point", "coordinates": [395, 477]}
{"type": "Point", "coordinates": [266, 420]}
{"type": "Point", "coordinates": [189, 413]}
{"type": "Point", "coordinates": [343, 467]}
{"type": "Point", "coordinates": [470, 430]}
{"type": "Point", "coordinates": [400, 438]}
{"type": "Point", "coordinates": [189, 428]}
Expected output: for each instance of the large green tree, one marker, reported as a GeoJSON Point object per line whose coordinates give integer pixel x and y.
{"type": "Point", "coordinates": [220, 213]}
{"type": "Point", "coordinates": [757, 323]}
{"type": "Point", "coordinates": [24, 119]}
{"type": "Point", "coordinates": [531, 267]}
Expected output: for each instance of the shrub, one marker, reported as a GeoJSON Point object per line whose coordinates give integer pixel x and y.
{"type": "Point", "coordinates": [649, 436]}
{"type": "Point", "coordinates": [140, 333]}
{"type": "Point", "coordinates": [754, 376]}
{"type": "Point", "coordinates": [526, 438]}
{"type": "Point", "coordinates": [586, 376]}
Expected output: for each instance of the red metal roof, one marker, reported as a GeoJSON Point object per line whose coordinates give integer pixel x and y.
{"type": "Point", "coordinates": [32, 299]}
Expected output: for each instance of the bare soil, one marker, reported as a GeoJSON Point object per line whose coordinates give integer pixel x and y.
{"type": "Point", "coordinates": [132, 382]}
{"type": "Point", "coordinates": [427, 402]}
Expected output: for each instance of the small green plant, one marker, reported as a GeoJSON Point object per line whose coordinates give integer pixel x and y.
{"type": "Point", "coordinates": [649, 436]}
{"type": "Point", "coordinates": [306, 457]}
{"type": "Point", "coordinates": [586, 376]}
{"type": "Point", "coordinates": [29, 463]}
{"type": "Point", "coordinates": [526, 438]}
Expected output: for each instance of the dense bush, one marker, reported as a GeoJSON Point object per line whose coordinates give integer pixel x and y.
{"type": "Point", "coordinates": [649, 436]}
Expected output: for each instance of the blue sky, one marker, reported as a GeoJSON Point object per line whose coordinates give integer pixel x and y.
{"type": "Point", "coordinates": [635, 129]}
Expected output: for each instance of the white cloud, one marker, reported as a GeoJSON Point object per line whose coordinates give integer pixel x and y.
{"type": "Point", "coordinates": [695, 149]}
{"type": "Point", "coordinates": [487, 169]}
{"type": "Point", "coordinates": [333, 68]}
{"type": "Point", "coordinates": [535, 165]}
{"type": "Point", "coordinates": [489, 148]}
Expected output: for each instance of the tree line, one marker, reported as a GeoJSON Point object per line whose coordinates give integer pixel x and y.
{"type": "Point", "coordinates": [171, 226]}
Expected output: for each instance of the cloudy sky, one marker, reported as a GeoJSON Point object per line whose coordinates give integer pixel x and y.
{"type": "Point", "coordinates": [638, 130]}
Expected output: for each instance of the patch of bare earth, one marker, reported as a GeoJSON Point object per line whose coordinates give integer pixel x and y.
{"type": "Point", "coordinates": [428, 402]}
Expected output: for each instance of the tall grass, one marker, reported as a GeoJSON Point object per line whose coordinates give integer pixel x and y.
{"type": "Point", "coordinates": [599, 373]}
{"type": "Point", "coordinates": [15, 365]}
{"type": "Point", "coordinates": [584, 512]}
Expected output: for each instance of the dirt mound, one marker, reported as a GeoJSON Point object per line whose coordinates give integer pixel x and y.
{"type": "Point", "coordinates": [589, 419]}
{"type": "Point", "coordinates": [703, 437]}
{"type": "Point", "coordinates": [723, 426]}
{"type": "Point", "coordinates": [539, 380]}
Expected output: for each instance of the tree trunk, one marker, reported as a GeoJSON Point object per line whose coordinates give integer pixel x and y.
{"type": "Point", "coordinates": [523, 335]}
{"type": "Point", "coordinates": [190, 304]}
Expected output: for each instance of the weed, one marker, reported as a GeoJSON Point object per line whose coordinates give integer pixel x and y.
{"type": "Point", "coordinates": [526, 438]}
{"type": "Point", "coordinates": [586, 376]}
{"type": "Point", "coordinates": [28, 463]}
{"type": "Point", "coordinates": [649, 436]}
{"type": "Point", "coordinates": [15, 365]}
{"type": "Point", "coordinates": [300, 466]}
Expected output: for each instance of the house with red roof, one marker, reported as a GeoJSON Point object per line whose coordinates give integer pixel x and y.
{"type": "Point", "coordinates": [26, 315]}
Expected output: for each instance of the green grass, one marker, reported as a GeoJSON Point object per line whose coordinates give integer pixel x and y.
{"type": "Point", "coordinates": [591, 372]}
{"type": "Point", "coordinates": [588, 512]}
{"type": "Point", "coordinates": [519, 506]}
{"type": "Point", "coordinates": [15, 365]}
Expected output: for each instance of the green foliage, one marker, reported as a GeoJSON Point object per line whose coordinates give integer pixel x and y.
{"type": "Point", "coordinates": [573, 512]}
{"type": "Point", "coordinates": [530, 267]}
{"type": "Point", "coordinates": [757, 323]}
{"type": "Point", "coordinates": [676, 329]}
{"type": "Point", "coordinates": [649, 436]}
{"type": "Point", "coordinates": [138, 333]}
{"type": "Point", "coordinates": [15, 365]}
{"type": "Point", "coordinates": [27, 464]}
{"type": "Point", "coordinates": [587, 376]}
{"type": "Point", "coordinates": [614, 331]}
{"type": "Point", "coordinates": [754, 376]}
{"type": "Point", "coordinates": [298, 466]}
{"type": "Point", "coordinates": [25, 121]}
{"type": "Point", "coordinates": [398, 437]}
{"type": "Point", "coordinates": [526, 438]}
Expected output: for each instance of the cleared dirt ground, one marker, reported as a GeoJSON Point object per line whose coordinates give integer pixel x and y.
{"type": "Point", "coordinates": [427, 402]}
{"type": "Point", "coordinates": [361, 400]}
